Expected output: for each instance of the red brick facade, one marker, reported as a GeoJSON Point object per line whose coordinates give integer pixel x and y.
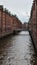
{"type": "Point", "coordinates": [1, 13]}
{"type": "Point", "coordinates": [33, 22]}
{"type": "Point", "coordinates": [8, 22]}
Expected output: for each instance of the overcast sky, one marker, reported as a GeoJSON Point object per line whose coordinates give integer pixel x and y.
{"type": "Point", "coordinates": [21, 8]}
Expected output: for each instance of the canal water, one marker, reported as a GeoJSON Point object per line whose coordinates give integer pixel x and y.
{"type": "Point", "coordinates": [17, 50]}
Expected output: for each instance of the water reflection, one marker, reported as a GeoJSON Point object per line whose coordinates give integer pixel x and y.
{"type": "Point", "coordinates": [17, 50]}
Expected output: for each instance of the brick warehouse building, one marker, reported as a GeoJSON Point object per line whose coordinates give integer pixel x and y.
{"type": "Point", "coordinates": [33, 23]}
{"type": "Point", "coordinates": [25, 26]}
{"type": "Point", "coordinates": [1, 11]}
{"type": "Point", "coordinates": [16, 22]}
{"type": "Point", "coordinates": [8, 22]}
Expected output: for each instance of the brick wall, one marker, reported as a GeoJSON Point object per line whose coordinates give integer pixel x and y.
{"type": "Point", "coordinates": [33, 20]}
{"type": "Point", "coordinates": [8, 22]}
{"type": "Point", "coordinates": [1, 13]}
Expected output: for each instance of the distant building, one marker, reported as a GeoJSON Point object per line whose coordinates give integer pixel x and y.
{"type": "Point", "coordinates": [25, 26]}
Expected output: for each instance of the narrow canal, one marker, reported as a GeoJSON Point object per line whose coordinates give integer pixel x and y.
{"type": "Point", "coordinates": [17, 50]}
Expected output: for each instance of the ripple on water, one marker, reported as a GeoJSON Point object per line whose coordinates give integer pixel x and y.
{"type": "Point", "coordinates": [17, 50]}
